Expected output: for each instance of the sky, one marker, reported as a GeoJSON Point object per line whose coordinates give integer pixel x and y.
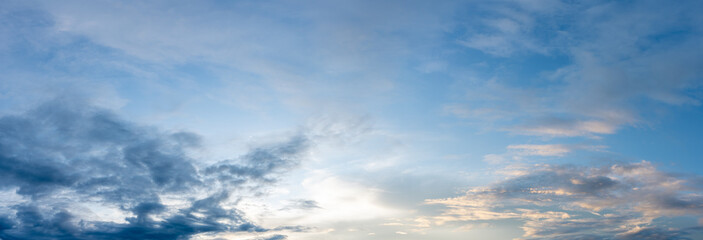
{"type": "Point", "coordinates": [341, 120]}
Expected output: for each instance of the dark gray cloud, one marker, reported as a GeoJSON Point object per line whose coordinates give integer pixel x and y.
{"type": "Point", "coordinates": [277, 237]}
{"type": "Point", "coordinates": [272, 237]}
{"type": "Point", "coordinates": [260, 163]}
{"type": "Point", "coordinates": [619, 201]}
{"type": "Point", "coordinates": [294, 228]}
{"type": "Point", "coordinates": [64, 153]}
{"type": "Point", "coordinates": [301, 204]}
{"type": "Point", "coordinates": [656, 234]}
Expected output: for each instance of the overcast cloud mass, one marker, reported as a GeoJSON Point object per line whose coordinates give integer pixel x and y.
{"type": "Point", "coordinates": [310, 120]}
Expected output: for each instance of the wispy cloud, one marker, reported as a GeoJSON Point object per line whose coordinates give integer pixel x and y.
{"type": "Point", "coordinates": [522, 152]}
{"type": "Point", "coordinates": [617, 74]}
{"type": "Point", "coordinates": [541, 150]}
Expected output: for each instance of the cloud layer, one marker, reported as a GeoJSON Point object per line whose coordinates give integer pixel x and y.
{"type": "Point", "coordinates": [619, 201]}
{"type": "Point", "coordinates": [64, 157]}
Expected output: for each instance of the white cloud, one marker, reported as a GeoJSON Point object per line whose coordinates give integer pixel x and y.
{"type": "Point", "coordinates": [524, 152]}
{"type": "Point", "coordinates": [541, 150]}
{"type": "Point", "coordinates": [572, 129]}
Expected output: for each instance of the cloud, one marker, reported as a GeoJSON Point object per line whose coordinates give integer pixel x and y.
{"type": "Point", "coordinates": [569, 128]}
{"type": "Point", "coordinates": [257, 54]}
{"type": "Point", "coordinates": [509, 28]}
{"type": "Point", "coordinates": [619, 201]}
{"type": "Point", "coordinates": [541, 150]}
{"type": "Point", "coordinates": [522, 152]}
{"type": "Point", "coordinates": [273, 237]}
{"type": "Point", "coordinates": [260, 163]}
{"type": "Point", "coordinates": [65, 155]}
{"type": "Point", "coordinates": [622, 62]}
{"type": "Point", "coordinates": [301, 204]}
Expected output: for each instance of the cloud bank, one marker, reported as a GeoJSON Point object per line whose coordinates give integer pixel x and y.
{"type": "Point", "coordinates": [71, 167]}
{"type": "Point", "coordinates": [619, 201]}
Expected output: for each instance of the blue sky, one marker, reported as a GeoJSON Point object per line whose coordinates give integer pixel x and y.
{"type": "Point", "coordinates": [351, 120]}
